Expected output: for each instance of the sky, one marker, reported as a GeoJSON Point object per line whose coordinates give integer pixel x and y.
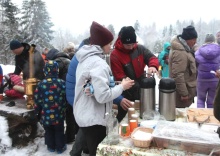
{"type": "Point", "coordinates": [77, 15]}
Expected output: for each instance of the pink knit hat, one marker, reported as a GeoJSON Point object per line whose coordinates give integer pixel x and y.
{"type": "Point", "coordinates": [15, 79]}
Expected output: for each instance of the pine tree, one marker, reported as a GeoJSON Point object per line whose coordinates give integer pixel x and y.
{"type": "Point", "coordinates": [111, 28]}
{"type": "Point", "coordinates": [137, 26]}
{"type": "Point", "coordinates": [36, 24]}
{"type": "Point", "coordinates": [9, 29]}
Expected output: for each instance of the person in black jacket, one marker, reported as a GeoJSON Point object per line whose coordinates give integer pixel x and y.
{"type": "Point", "coordinates": [21, 51]}
{"type": "Point", "coordinates": [63, 61]}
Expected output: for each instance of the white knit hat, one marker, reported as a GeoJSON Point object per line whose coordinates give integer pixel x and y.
{"type": "Point", "coordinates": [70, 45]}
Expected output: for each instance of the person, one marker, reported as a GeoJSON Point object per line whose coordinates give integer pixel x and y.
{"type": "Point", "coordinates": [63, 61]}
{"type": "Point", "coordinates": [207, 59]}
{"type": "Point", "coordinates": [1, 83]}
{"type": "Point", "coordinates": [182, 66]}
{"type": "Point", "coordinates": [44, 53]}
{"type": "Point", "coordinates": [128, 59]}
{"type": "Point", "coordinates": [80, 142]}
{"type": "Point", "coordinates": [50, 104]}
{"type": "Point", "coordinates": [92, 68]}
{"type": "Point", "coordinates": [15, 86]}
{"type": "Point", "coordinates": [21, 51]}
{"type": "Point", "coordinates": [70, 49]}
{"type": "Point", "coordinates": [86, 41]}
{"type": "Point", "coordinates": [218, 37]}
{"type": "Point", "coordinates": [163, 59]}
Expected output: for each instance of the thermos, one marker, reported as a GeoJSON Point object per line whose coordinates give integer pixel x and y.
{"type": "Point", "coordinates": [147, 99]}
{"type": "Point", "coordinates": [167, 98]}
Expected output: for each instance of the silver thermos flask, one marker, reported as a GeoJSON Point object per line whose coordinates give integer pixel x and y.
{"type": "Point", "coordinates": [147, 99]}
{"type": "Point", "coordinates": [167, 98]}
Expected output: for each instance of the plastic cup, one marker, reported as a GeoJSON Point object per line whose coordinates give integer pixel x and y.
{"type": "Point", "coordinates": [133, 124]}
{"type": "Point", "coordinates": [125, 130]}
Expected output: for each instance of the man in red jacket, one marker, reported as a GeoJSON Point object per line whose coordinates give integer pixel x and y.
{"type": "Point", "coordinates": [128, 59]}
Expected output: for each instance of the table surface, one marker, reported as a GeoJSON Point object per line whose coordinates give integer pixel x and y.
{"type": "Point", "coordinates": [125, 147]}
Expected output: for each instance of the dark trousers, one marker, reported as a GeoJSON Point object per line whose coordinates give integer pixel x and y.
{"type": "Point", "coordinates": [79, 144]}
{"type": "Point", "coordinates": [93, 135]}
{"type": "Point", "coordinates": [71, 125]}
{"type": "Point", "coordinates": [54, 136]}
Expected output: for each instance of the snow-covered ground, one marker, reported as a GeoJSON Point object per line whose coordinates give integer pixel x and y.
{"type": "Point", "coordinates": [36, 148]}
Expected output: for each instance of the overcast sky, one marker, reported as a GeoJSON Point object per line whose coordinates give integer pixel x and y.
{"type": "Point", "coordinates": [77, 15]}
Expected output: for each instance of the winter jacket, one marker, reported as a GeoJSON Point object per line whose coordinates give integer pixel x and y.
{"type": "Point", "coordinates": [208, 58]}
{"type": "Point", "coordinates": [22, 63]}
{"type": "Point", "coordinates": [62, 59]}
{"type": "Point", "coordinates": [71, 82]}
{"type": "Point", "coordinates": [182, 67]}
{"type": "Point", "coordinates": [15, 86]}
{"type": "Point", "coordinates": [163, 59]}
{"type": "Point", "coordinates": [49, 96]}
{"type": "Point", "coordinates": [139, 57]}
{"type": "Point", "coordinates": [93, 110]}
{"type": "Point", "coordinates": [126, 63]}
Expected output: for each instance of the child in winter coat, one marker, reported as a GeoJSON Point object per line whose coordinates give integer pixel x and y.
{"type": "Point", "coordinates": [15, 87]}
{"type": "Point", "coordinates": [50, 104]}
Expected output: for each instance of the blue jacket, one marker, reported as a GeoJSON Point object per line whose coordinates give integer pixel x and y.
{"type": "Point", "coordinates": [71, 82]}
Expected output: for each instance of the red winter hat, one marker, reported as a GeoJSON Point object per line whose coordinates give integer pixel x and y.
{"type": "Point", "coordinates": [100, 35]}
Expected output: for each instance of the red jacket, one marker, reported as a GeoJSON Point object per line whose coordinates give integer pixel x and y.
{"type": "Point", "coordinates": [139, 57]}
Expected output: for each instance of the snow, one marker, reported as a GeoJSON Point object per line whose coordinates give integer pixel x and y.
{"type": "Point", "coordinates": [37, 147]}
{"type": "Point", "coordinates": [7, 69]}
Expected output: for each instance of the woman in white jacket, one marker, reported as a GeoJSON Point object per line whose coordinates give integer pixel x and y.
{"type": "Point", "coordinates": [92, 112]}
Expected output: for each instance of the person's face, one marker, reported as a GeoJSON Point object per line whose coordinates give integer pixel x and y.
{"type": "Point", "coordinates": [107, 48]}
{"type": "Point", "coordinates": [191, 42]}
{"type": "Point", "coordinates": [168, 48]}
{"type": "Point", "coordinates": [18, 51]}
{"type": "Point", "coordinates": [129, 46]}
{"type": "Point", "coordinates": [218, 38]}
{"type": "Point", "coordinates": [71, 50]}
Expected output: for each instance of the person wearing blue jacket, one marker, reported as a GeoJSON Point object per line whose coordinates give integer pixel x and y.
{"type": "Point", "coordinates": [163, 59]}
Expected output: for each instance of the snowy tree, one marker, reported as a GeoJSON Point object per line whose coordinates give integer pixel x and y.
{"type": "Point", "coordinates": [36, 24]}
{"type": "Point", "coordinates": [158, 46]}
{"type": "Point", "coordinates": [137, 27]}
{"type": "Point", "coordinates": [111, 28]}
{"type": "Point", "coordinates": [9, 30]}
{"type": "Point", "coordinates": [62, 37]}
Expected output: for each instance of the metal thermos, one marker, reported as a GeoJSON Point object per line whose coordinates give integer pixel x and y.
{"type": "Point", "coordinates": [147, 99]}
{"type": "Point", "coordinates": [167, 98]}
